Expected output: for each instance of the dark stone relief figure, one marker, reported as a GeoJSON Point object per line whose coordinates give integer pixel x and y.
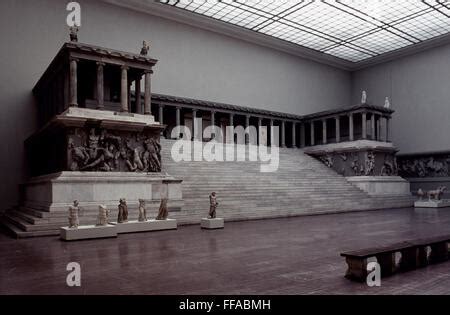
{"type": "Point", "coordinates": [370, 164]}
{"type": "Point", "coordinates": [361, 163]}
{"type": "Point", "coordinates": [102, 151]}
{"type": "Point", "coordinates": [327, 160]}
{"type": "Point", "coordinates": [123, 211]}
{"type": "Point", "coordinates": [389, 167]}
{"type": "Point", "coordinates": [425, 166]}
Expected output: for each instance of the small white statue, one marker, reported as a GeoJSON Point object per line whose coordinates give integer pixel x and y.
{"type": "Point", "coordinates": [387, 104]}
{"type": "Point", "coordinates": [74, 210]}
{"type": "Point", "coordinates": [103, 213]}
{"type": "Point", "coordinates": [363, 97]}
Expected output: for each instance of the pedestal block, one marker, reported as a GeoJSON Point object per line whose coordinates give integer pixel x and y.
{"type": "Point", "coordinates": [211, 224]}
{"type": "Point", "coordinates": [432, 204]}
{"type": "Point", "coordinates": [146, 226]}
{"type": "Point", "coordinates": [87, 232]}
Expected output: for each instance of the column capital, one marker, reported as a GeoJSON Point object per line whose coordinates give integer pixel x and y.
{"type": "Point", "coordinates": [74, 59]}
{"type": "Point", "coordinates": [124, 67]}
{"type": "Point", "coordinates": [100, 64]}
{"type": "Point", "coordinates": [148, 71]}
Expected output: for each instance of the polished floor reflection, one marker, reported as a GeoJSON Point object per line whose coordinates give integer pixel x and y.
{"type": "Point", "coordinates": [280, 256]}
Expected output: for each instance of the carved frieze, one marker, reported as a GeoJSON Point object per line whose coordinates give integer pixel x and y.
{"type": "Point", "coordinates": [361, 162]}
{"type": "Point", "coordinates": [101, 150]}
{"type": "Point", "coordinates": [432, 165]}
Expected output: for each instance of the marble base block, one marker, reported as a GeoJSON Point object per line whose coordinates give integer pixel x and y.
{"type": "Point", "coordinates": [87, 232]}
{"type": "Point", "coordinates": [381, 185]}
{"type": "Point", "coordinates": [210, 224]}
{"type": "Point", "coordinates": [432, 204]}
{"type": "Point", "coordinates": [146, 226]}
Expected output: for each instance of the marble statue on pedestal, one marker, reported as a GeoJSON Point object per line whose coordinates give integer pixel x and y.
{"type": "Point", "coordinates": [123, 211]}
{"type": "Point", "coordinates": [163, 213]}
{"type": "Point", "coordinates": [145, 48]}
{"type": "Point", "coordinates": [420, 194]}
{"type": "Point", "coordinates": [142, 211]}
{"type": "Point", "coordinates": [387, 104]}
{"type": "Point", "coordinates": [103, 213]}
{"type": "Point", "coordinates": [74, 33]}
{"type": "Point", "coordinates": [212, 205]}
{"type": "Point", "coordinates": [436, 194]}
{"type": "Point", "coordinates": [363, 97]}
{"type": "Point", "coordinates": [74, 210]}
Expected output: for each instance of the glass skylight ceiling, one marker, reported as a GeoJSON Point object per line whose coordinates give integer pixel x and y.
{"type": "Point", "coordinates": [353, 30]}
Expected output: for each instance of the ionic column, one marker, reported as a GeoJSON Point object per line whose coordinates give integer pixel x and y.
{"type": "Point", "coordinates": [161, 116]}
{"type": "Point", "coordinates": [338, 129]}
{"type": "Point", "coordinates": [372, 127]}
{"type": "Point", "coordinates": [283, 134]}
{"type": "Point", "coordinates": [194, 125]}
{"type": "Point", "coordinates": [178, 119]}
{"type": "Point", "coordinates": [161, 113]}
{"type": "Point", "coordinates": [302, 135]}
{"type": "Point", "coordinates": [324, 131]}
{"type": "Point", "coordinates": [138, 95]}
{"type": "Point", "coordinates": [73, 82]}
{"type": "Point", "coordinates": [312, 133]}
{"type": "Point", "coordinates": [388, 138]}
{"type": "Point", "coordinates": [259, 130]}
{"type": "Point", "coordinates": [124, 90]}
{"type": "Point", "coordinates": [350, 127]}
{"type": "Point", "coordinates": [148, 93]}
{"type": "Point", "coordinates": [294, 140]}
{"type": "Point", "coordinates": [247, 124]}
{"type": "Point", "coordinates": [231, 124]}
{"type": "Point", "coordinates": [100, 88]}
{"type": "Point", "coordinates": [272, 137]}
{"type": "Point", "coordinates": [213, 122]}
{"type": "Point", "coordinates": [364, 125]}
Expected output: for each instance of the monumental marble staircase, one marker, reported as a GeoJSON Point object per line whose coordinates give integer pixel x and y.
{"type": "Point", "coordinates": [301, 186]}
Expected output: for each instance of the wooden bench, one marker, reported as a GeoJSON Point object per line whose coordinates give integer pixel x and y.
{"type": "Point", "coordinates": [385, 255]}
{"type": "Point", "coordinates": [413, 252]}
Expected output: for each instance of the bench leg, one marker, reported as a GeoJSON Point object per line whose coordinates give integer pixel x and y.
{"type": "Point", "coordinates": [387, 263]}
{"type": "Point", "coordinates": [409, 259]}
{"type": "Point", "coordinates": [357, 269]}
{"type": "Point", "coordinates": [439, 252]}
{"type": "Point", "coordinates": [422, 258]}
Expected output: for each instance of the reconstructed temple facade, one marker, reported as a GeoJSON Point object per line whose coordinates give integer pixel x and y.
{"type": "Point", "coordinates": [98, 143]}
{"type": "Point", "coordinates": [94, 145]}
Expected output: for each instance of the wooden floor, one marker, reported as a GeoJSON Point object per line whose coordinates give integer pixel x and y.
{"type": "Point", "coordinates": [279, 256]}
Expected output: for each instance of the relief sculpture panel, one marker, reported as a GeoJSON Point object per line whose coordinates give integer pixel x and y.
{"type": "Point", "coordinates": [97, 149]}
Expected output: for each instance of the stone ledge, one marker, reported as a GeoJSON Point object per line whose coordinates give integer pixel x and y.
{"type": "Point", "coordinates": [146, 226]}
{"type": "Point", "coordinates": [87, 232]}
{"type": "Point", "coordinates": [349, 146]}
{"type": "Point", "coordinates": [381, 185]}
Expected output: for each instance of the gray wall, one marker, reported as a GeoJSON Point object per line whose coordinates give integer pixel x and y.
{"type": "Point", "coordinates": [419, 89]}
{"type": "Point", "coordinates": [193, 63]}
